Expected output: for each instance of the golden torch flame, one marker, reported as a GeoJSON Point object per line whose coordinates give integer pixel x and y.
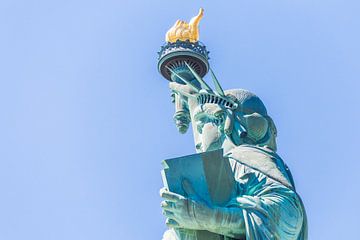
{"type": "Point", "coordinates": [185, 31]}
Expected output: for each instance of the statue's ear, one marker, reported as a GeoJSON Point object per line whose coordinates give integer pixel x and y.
{"type": "Point", "coordinates": [257, 126]}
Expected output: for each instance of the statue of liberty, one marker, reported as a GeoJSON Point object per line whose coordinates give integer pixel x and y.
{"type": "Point", "coordinates": [264, 204]}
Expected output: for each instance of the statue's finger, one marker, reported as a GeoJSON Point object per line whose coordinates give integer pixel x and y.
{"type": "Point", "coordinates": [172, 223]}
{"type": "Point", "coordinates": [168, 214]}
{"type": "Point", "coordinates": [182, 89]}
{"type": "Point", "coordinates": [163, 189]}
{"type": "Point", "coordinates": [170, 196]}
{"type": "Point", "coordinates": [175, 86]}
{"type": "Point", "coordinates": [167, 205]}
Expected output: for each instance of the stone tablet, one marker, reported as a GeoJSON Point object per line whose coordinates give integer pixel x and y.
{"type": "Point", "coordinates": [211, 177]}
{"type": "Point", "coordinates": [209, 173]}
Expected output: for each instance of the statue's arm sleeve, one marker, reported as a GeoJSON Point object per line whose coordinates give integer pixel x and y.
{"type": "Point", "coordinates": [270, 210]}
{"type": "Point", "coordinates": [262, 209]}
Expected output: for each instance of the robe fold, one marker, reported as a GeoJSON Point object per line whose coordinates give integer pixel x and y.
{"type": "Point", "coordinates": [271, 209]}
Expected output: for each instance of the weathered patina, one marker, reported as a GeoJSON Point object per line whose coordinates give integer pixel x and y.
{"type": "Point", "coordinates": [265, 204]}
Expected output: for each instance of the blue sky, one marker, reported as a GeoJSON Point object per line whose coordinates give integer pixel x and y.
{"type": "Point", "coordinates": [86, 119]}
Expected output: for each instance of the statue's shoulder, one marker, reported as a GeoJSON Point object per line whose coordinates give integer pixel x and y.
{"type": "Point", "coordinates": [253, 154]}
{"type": "Point", "coordinates": [263, 160]}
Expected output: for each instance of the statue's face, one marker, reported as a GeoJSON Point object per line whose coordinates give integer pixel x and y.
{"type": "Point", "coordinates": [210, 126]}
{"type": "Point", "coordinates": [219, 126]}
{"type": "Point", "coordinates": [209, 120]}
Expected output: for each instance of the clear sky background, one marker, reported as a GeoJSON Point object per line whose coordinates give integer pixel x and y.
{"type": "Point", "coordinates": [86, 119]}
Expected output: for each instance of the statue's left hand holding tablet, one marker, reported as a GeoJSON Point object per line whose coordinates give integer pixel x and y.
{"type": "Point", "coordinates": [191, 212]}
{"type": "Point", "coordinates": [186, 212]}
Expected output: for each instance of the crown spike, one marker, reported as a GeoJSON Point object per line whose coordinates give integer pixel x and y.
{"type": "Point", "coordinates": [218, 87]}
{"type": "Point", "coordinates": [202, 82]}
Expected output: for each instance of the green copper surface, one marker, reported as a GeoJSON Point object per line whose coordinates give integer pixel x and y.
{"type": "Point", "coordinates": [262, 202]}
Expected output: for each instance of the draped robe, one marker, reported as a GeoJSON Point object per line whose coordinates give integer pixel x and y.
{"type": "Point", "coordinates": [271, 208]}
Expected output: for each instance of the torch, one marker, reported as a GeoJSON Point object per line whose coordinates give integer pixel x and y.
{"type": "Point", "coordinates": [181, 56]}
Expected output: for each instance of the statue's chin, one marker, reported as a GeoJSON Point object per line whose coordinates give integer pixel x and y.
{"type": "Point", "coordinates": [213, 146]}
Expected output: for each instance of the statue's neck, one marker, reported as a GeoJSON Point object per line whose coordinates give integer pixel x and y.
{"type": "Point", "coordinates": [228, 145]}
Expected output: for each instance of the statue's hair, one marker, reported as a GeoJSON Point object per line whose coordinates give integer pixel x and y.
{"type": "Point", "coordinates": [250, 103]}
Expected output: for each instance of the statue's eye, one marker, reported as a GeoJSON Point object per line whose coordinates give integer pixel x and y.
{"type": "Point", "coordinates": [199, 126]}
{"type": "Point", "coordinates": [172, 97]}
{"type": "Point", "coordinates": [219, 117]}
